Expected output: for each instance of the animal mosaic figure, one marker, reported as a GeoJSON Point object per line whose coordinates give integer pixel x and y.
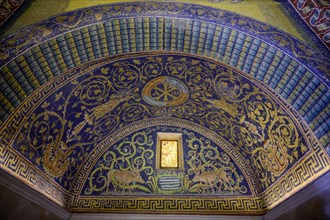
{"type": "Point", "coordinates": [210, 178]}
{"type": "Point", "coordinates": [101, 110]}
{"type": "Point", "coordinates": [124, 178]}
{"type": "Point", "coordinates": [213, 177]}
{"type": "Point", "coordinates": [224, 105]}
{"type": "Point", "coordinates": [224, 178]}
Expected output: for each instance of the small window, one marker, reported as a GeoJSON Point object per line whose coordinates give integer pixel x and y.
{"type": "Point", "coordinates": [169, 154]}
{"type": "Point", "coordinates": [169, 151]}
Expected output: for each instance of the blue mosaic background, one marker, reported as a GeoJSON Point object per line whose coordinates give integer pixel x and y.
{"type": "Point", "coordinates": [71, 84]}
{"type": "Point", "coordinates": [292, 69]}
{"type": "Point", "coordinates": [139, 149]}
{"type": "Point", "coordinates": [69, 124]}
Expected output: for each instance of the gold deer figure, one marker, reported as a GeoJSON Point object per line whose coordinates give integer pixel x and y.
{"type": "Point", "coordinates": [213, 177]}
{"type": "Point", "coordinates": [210, 178]}
{"type": "Point", "coordinates": [224, 178]}
{"type": "Point", "coordinates": [124, 177]}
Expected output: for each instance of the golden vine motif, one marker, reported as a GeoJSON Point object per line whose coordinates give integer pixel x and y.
{"type": "Point", "coordinates": [59, 131]}
{"type": "Point", "coordinates": [129, 167]}
{"type": "Point", "coordinates": [272, 140]}
{"type": "Point", "coordinates": [121, 168]}
{"type": "Point", "coordinates": [212, 169]}
{"type": "Point", "coordinates": [77, 116]}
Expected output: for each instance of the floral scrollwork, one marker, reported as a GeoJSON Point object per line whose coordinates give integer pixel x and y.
{"type": "Point", "coordinates": [199, 78]}
{"type": "Point", "coordinates": [175, 68]}
{"type": "Point", "coordinates": [153, 67]}
{"type": "Point", "coordinates": [124, 167]}
{"type": "Point", "coordinates": [125, 76]}
{"type": "Point", "coordinates": [260, 108]}
{"type": "Point", "coordinates": [213, 172]}
{"type": "Point", "coordinates": [93, 90]}
{"type": "Point", "coordinates": [229, 86]}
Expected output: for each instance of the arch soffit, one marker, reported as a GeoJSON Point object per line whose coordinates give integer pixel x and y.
{"type": "Point", "coordinates": [254, 42]}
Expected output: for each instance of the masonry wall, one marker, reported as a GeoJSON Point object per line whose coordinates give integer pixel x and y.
{"type": "Point", "coordinates": [316, 208]}
{"type": "Point", "coordinates": [14, 207]}
{"type": "Point", "coordinates": [311, 203]}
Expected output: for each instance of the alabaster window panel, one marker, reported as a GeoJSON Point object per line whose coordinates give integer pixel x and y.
{"type": "Point", "coordinates": [169, 151]}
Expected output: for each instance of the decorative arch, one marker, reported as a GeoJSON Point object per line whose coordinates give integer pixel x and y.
{"type": "Point", "coordinates": [68, 84]}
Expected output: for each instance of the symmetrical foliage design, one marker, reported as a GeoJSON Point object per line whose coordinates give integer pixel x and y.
{"type": "Point", "coordinates": [81, 80]}
{"type": "Point", "coordinates": [68, 124]}
{"type": "Point", "coordinates": [129, 167]}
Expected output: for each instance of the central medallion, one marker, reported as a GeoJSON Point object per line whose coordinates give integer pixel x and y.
{"type": "Point", "coordinates": [165, 91]}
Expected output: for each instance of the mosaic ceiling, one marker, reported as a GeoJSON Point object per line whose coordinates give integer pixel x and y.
{"type": "Point", "coordinates": [316, 15]}
{"type": "Point", "coordinates": [7, 8]}
{"type": "Point", "coordinates": [90, 98]}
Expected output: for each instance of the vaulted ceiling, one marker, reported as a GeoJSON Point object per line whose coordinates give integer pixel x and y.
{"type": "Point", "coordinates": [84, 96]}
